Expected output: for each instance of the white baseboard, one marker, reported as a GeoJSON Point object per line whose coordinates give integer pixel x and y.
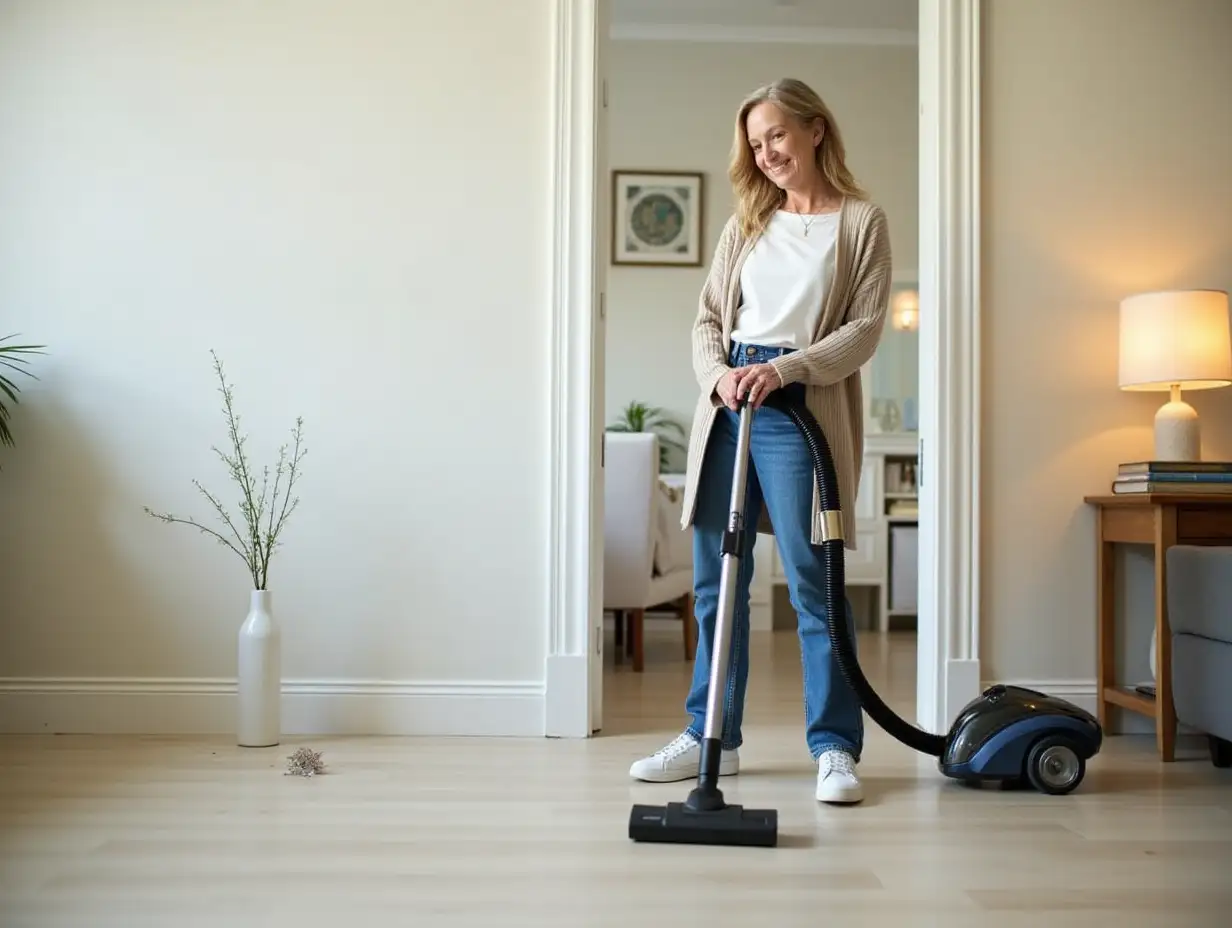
{"type": "Point", "coordinates": [566, 709]}
{"type": "Point", "coordinates": [49, 705]}
{"type": "Point", "coordinates": [962, 684]}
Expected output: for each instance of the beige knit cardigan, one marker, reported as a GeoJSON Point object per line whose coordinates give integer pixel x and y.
{"type": "Point", "coordinates": [848, 332]}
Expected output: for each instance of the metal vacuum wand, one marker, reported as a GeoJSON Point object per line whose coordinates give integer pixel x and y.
{"type": "Point", "coordinates": [707, 795]}
{"type": "Point", "coordinates": [705, 817]}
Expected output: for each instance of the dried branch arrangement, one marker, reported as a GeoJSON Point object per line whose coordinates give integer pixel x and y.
{"type": "Point", "coordinates": [263, 516]}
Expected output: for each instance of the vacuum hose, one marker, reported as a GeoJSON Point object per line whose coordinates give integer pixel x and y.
{"type": "Point", "coordinates": [833, 556]}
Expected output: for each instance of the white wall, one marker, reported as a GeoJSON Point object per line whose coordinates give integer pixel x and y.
{"type": "Point", "coordinates": [348, 201]}
{"type": "Point", "coordinates": [672, 107]}
{"type": "Point", "coordinates": [304, 191]}
{"type": "Point", "coordinates": [1107, 140]}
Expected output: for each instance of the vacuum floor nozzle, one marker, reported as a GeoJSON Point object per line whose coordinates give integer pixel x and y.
{"type": "Point", "coordinates": [731, 825]}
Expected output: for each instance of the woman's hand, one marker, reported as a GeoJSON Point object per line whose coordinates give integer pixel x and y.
{"type": "Point", "coordinates": [756, 382]}
{"type": "Point", "coordinates": [726, 387]}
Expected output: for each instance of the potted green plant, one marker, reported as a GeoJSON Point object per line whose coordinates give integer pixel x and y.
{"type": "Point", "coordinates": [12, 358]}
{"type": "Point", "coordinates": [638, 417]}
{"type": "Point", "coordinates": [253, 537]}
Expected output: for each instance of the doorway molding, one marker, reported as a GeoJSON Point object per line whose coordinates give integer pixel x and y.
{"type": "Point", "coordinates": [949, 442]}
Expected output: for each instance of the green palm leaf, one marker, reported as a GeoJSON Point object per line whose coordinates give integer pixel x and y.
{"type": "Point", "coordinates": [638, 417]}
{"type": "Point", "coordinates": [12, 358]}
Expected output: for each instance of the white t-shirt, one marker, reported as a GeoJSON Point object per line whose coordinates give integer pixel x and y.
{"type": "Point", "coordinates": [784, 280]}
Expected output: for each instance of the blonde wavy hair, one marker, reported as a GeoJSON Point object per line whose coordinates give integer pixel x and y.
{"type": "Point", "coordinates": [757, 197]}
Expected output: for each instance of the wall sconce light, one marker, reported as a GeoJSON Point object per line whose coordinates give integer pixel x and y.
{"type": "Point", "coordinates": [905, 311]}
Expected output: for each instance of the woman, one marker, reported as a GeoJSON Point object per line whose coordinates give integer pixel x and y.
{"type": "Point", "coordinates": [795, 300]}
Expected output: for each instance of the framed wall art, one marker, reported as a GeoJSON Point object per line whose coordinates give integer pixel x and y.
{"type": "Point", "coordinates": [657, 218]}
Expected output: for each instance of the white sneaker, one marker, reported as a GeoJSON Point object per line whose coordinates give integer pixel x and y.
{"type": "Point", "coordinates": [679, 760]}
{"type": "Point", "coordinates": [836, 778]}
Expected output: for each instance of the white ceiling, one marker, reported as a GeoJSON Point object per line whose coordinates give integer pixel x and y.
{"type": "Point", "coordinates": [899, 16]}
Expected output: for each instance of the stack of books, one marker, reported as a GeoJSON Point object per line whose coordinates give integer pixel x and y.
{"type": "Point", "coordinates": [1196, 477]}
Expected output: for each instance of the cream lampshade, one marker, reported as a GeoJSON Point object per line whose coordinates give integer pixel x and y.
{"type": "Point", "coordinates": [1174, 340]}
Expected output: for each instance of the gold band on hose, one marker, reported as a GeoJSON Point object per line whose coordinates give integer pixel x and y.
{"type": "Point", "coordinates": [831, 524]}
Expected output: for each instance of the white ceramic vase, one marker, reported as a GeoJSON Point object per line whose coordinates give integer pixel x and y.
{"type": "Point", "coordinates": [259, 690]}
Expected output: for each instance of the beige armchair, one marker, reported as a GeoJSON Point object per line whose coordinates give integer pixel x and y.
{"type": "Point", "coordinates": [647, 558]}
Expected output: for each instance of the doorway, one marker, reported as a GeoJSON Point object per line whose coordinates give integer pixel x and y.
{"type": "Point", "coordinates": [937, 465]}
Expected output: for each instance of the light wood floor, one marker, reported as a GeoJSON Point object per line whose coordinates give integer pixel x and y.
{"type": "Point", "coordinates": [101, 831]}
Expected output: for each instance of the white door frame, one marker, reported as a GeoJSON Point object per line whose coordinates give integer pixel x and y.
{"type": "Point", "coordinates": [948, 649]}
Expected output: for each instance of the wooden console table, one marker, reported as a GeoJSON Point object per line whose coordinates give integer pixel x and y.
{"type": "Point", "coordinates": [1161, 520]}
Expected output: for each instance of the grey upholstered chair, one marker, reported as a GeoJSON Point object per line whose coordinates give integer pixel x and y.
{"type": "Point", "coordinates": [1200, 616]}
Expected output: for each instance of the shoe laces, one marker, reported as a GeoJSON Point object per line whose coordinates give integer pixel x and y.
{"type": "Point", "coordinates": [679, 746]}
{"type": "Point", "coordinates": [838, 762]}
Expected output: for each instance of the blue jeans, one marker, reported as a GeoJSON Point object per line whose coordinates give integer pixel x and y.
{"type": "Point", "coordinates": [780, 477]}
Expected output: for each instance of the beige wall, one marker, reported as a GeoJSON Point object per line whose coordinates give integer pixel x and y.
{"type": "Point", "coordinates": [158, 203]}
{"type": "Point", "coordinates": [672, 106]}
{"type": "Point", "coordinates": [1107, 169]}
{"type": "Point", "coordinates": [349, 202]}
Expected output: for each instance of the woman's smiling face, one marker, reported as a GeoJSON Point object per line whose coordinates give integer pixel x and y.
{"type": "Point", "coordinates": [784, 150]}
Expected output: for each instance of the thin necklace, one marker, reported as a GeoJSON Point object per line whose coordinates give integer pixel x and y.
{"type": "Point", "coordinates": [807, 222]}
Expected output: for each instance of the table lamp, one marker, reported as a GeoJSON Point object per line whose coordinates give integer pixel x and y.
{"type": "Point", "coordinates": [1174, 340]}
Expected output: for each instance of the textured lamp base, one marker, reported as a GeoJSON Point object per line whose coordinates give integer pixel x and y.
{"type": "Point", "coordinates": [1178, 436]}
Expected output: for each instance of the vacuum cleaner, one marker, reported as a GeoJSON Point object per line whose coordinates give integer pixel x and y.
{"type": "Point", "coordinates": [1008, 735]}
